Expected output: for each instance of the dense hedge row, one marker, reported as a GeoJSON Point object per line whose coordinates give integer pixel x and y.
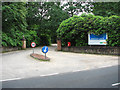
{"type": "Point", "coordinates": [76, 29]}
{"type": "Point", "coordinates": [30, 36]}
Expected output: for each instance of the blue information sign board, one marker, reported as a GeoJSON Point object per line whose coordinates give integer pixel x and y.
{"type": "Point", "coordinates": [97, 39]}
{"type": "Point", "coordinates": [45, 49]}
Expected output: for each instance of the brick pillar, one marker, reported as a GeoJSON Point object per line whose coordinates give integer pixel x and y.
{"type": "Point", "coordinates": [23, 43]}
{"type": "Point", "coordinates": [58, 45]}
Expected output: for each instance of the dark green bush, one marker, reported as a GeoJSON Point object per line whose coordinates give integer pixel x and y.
{"type": "Point", "coordinates": [31, 36]}
{"type": "Point", "coordinates": [76, 29]}
{"type": "Point", "coordinates": [45, 39]}
{"type": "Point", "coordinates": [12, 40]}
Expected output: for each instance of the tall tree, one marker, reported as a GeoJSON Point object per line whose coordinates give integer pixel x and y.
{"type": "Point", "coordinates": [106, 8]}
{"type": "Point", "coordinates": [13, 23]}
{"type": "Point", "coordinates": [46, 16]}
{"type": "Point", "coordinates": [74, 8]}
{"type": "Point", "coordinates": [14, 16]}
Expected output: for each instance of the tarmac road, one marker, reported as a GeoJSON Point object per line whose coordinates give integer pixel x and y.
{"type": "Point", "coordinates": [19, 64]}
{"type": "Point", "coordinates": [98, 78]}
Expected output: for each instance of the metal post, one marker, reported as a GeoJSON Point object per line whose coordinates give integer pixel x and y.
{"type": "Point", "coordinates": [33, 50]}
{"type": "Point", "coordinates": [45, 55]}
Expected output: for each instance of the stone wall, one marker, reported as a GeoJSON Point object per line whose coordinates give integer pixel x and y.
{"type": "Point", "coordinates": [6, 49]}
{"type": "Point", "coordinates": [94, 50]}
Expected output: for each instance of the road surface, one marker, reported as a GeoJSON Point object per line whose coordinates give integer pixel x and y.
{"type": "Point", "coordinates": [19, 67]}
{"type": "Point", "coordinates": [99, 78]}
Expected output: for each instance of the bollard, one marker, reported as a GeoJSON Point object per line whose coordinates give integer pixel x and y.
{"type": "Point", "coordinates": [23, 43]}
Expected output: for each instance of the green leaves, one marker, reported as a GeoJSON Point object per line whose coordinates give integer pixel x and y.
{"type": "Point", "coordinates": [38, 22]}
{"type": "Point", "coordinates": [75, 29]}
{"type": "Point", "coordinates": [106, 8]}
{"type": "Point", "coordinates": [14, 16]}
{"type": "Point", "coordinates": [47, 16]}
{"type": "Point", "coordinates": [14, 23]}
{"type": "Point", "coordinates": [74, 8]}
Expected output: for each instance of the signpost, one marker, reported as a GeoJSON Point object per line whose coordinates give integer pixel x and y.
{"type": "Point", "coordinates": [33, 44]}
{"type": "Point", "coordinates": [45, 50]}
{"type": "Point", "coordinates": [97, 39]}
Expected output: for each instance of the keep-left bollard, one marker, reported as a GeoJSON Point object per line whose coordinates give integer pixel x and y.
{"type": "Point", "coordinates": [23, 43]}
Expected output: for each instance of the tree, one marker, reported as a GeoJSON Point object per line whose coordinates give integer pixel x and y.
{"type": "Point", "coordinates": [13, 23]}
{"type": "Point", "coordinates": [106, 8]}
{"type": "Point", "coordinates": [14, 16]}
{"type": "Point", "coordinates": [45, 17]}
{"type": "Point", "coordinates": [74, 8]}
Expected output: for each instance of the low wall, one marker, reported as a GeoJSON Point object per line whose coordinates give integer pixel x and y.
{"type": "Point", "coordinates": [94, 50]}
{"type": "Point", "coordinates": [6, 49]}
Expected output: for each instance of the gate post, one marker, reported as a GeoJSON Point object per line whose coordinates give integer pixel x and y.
{"type": "Point", "coordinates": [23, 43]}
{"type": "Point", "coordinates": [58, 44]}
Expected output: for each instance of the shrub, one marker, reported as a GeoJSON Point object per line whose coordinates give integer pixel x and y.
{"type": "Point", "coordinates": [76, 29]}
{"type": "Point", "coordinates": [45, 39]}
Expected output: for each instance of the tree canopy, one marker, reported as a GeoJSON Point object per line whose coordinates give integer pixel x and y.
{"type": "Point", "coordinates": [75, 8]}
{"type": "Point", "coordinates": [13, 23]}
{"type": "Point", "coordinates": [38, 21]}
{"type": "Point", "coordinates": [106, 8]}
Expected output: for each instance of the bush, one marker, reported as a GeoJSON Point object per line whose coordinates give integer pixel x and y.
{"type": "Point", "coordinates": [45, 39]}
{"type": "Point", "coordinates": [76, 29]}
{"type": "Point", "coordinates": [12, 40]}
{"type": "Point", "coordinates": [31, 36]}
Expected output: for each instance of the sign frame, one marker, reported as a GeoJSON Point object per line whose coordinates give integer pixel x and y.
{"type": "Point", "coordinates": [97, 41]}
{"type": "Point", "coordinates": [46, 48]}
{"type": "Point", "coordinates": [33, 46]}
{"type": "Point", "coordinates": [45, 51]}
{"type": "Point", "coordinates": [32, 43]}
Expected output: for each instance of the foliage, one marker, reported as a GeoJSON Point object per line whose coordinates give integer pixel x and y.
{"type": "Point", "coordinates": [14, 16]}
{"type": "Point", "coordinates": [76, 28]}
{"type": "Point", "coordinates": [45, 39]}
{"type": "Point", "coordinates": [31, 36]}
{"type": "Point", "coordinates": [46, 16]}
{"type": "Point", "coordinates": [14, 23]}
{"type": "Point", "coordinates": [7, 40]}
{"type": "Point", "coordinates": [106, 8]}
{"type": "Point", "coordinates": [38, 22]}
{"type": "Point", "coordinates": [74, 8]}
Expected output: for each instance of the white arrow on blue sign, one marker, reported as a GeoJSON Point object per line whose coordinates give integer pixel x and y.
{"type": "Point", "coordinates": [45, 49]}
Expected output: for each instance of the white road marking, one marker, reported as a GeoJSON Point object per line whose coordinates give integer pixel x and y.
{"type": "Point", "coordinates": [115, 84]}
{"type": "Point", "coordinates": [22, 78]}
{"type": "Point", "coordinates": [76, 70]}
{"type": "Point", "coordinates": [49, 74]}
{"type": "Point", "coordinates": [10, 79]}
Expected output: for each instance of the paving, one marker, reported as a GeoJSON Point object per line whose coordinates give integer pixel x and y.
{"type": "Point", "coordinates": [19, 64]}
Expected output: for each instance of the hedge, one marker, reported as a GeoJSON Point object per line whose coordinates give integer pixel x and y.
{"type": "Point", "coordinates": [15, 40]}
{"type": "Point", "coordinates": [76, 29]}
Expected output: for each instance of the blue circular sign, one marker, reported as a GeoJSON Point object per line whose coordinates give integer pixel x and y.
{"type": "Point", "coordinates": [45, 49]}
